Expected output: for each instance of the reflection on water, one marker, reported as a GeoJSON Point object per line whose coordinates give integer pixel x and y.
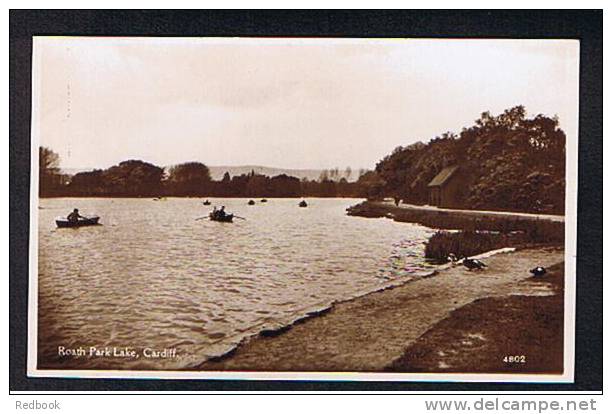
{"type": "Point", "coordinates": [151, 276]}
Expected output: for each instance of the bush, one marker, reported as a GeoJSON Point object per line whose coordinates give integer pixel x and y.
{"type": "Point", "coordinates": [463, 244]}
{"type": "Point", "coordinates": [470, 243]}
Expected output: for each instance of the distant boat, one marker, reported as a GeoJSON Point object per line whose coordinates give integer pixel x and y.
{"type": "Point", "coordinates": [206, 203]}
{"type": "Point", "coordinates": [251, 203]}
{"type": "Point", "coordinates": [159, 199]}
{"type": "Point", "coordinates": [264, 200]}
{"type": "Point", "coordinates": [63, 222]}
{"type": "Point", "coordinates": [303, 204]}
{"type": "Point", "coordinates": [228, 218]}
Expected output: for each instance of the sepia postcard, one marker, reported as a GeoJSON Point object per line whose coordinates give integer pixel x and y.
{"type": "Point", "coordinates": [303, 208]}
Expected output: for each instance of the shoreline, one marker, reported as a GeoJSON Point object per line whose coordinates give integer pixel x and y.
{"type": "Point", "coordinates": [324, 308]}
{"type": "Point", "coordinates": [368, 333]}
{"type": "Point", "coordinates": [443, 219]}
{"type": "Point", "coordinates": [146, 197]}
{"type": "Point", "coordinates": [375, 207]}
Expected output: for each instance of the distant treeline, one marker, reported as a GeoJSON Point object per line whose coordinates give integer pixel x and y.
{"type": "Point", "coordinates": [134, 178]}
{"type": "Point", "coordinates": [510, 163]}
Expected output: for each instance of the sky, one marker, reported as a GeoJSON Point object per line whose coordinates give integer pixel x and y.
{"type": "Point", "coordinates": [287, 103]}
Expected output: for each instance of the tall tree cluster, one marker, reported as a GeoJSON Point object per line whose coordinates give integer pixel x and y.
{"type": "Point", "coordinates": [511, 162]}
{"type": "Point", "coordinates": [50, 179]}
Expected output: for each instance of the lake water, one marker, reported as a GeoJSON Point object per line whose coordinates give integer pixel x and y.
{"type": "Point", "coordinates": [152, 276]}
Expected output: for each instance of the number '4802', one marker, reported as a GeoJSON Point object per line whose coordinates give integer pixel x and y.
{"type": "Point", "coordinates": [515, 359]}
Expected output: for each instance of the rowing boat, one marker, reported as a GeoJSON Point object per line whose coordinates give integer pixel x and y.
{"type": "Point", "coordinates": [228, 218]}
{"type": "Point", "coordinates": [63, 222]}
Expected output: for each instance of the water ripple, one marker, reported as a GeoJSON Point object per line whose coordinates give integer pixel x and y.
{"type": "Point", "coordinates": [152, 276]}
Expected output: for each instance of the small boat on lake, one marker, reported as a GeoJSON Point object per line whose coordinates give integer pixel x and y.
{"type": "Point", "coordinates": [251, 202]}
{"type": "Point", "coordinates": [264, 200]}
{"type": "Point", "coordinates": [227, 218]}
{"type": "Point", "coordinates": [63, 222]}
{"type": "Point", "coordinates": [206, 203]}
{"type": "Point", "coordinates": [303, 203]}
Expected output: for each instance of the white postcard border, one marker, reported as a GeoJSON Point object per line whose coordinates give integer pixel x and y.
{"type": "Point", "coordinates": [570, 269]}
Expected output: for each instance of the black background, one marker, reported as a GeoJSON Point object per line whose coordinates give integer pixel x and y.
{"type": "Point", "coordinates": [583, 25]}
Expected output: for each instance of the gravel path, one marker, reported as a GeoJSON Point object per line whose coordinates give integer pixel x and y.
{"type": "Point", "coordinates": [476, 213]}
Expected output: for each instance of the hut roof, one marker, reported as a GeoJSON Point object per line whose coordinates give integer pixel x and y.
{"type": "Point", "coordinates": [443, 176]}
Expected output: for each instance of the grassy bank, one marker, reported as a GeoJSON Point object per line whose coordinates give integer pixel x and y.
{"type": "Point", "coordinates": [481, 335]}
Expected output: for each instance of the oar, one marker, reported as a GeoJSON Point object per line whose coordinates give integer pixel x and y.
{"type": "Point", "coordinates": [200, 218]}
{"type": "Point", "coordinates": [239, 217]}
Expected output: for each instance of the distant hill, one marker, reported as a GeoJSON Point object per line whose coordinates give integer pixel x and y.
{"type": "Point", "coordinates": [216, 172]}
{"type": "Point", "coordinates": [73, 171]}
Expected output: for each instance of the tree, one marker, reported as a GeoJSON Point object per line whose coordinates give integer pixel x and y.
{"type": "Point", "coordinates": [49, 177]}
{"type": "Point", "coordinates": [190, 178]}
{"type": "Point", "coordinates": [324, 176]}
{"type": "Point", "coordinates": [48, 161]}
{"type": "Point", "coordinates": [133, 178]}
{"type": "Point", "coordinates": [258, 185]}
{"type": "Point", "coordinates": [370, 185]}
{"type": "Point", "coordinates": [334, 174]}
{"type": "Point", "coordinates": [347, 172]}
{"type": "Point", "coordinates": [88, 183]}
{"type": "Point", "coordinates": [285, 186]}
{"type": "Point", "coordinates": [510, 162]}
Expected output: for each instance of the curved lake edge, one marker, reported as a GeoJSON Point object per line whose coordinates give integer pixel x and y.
{"type": "Point", "coordinates": [279, 328]}
{"type": "Point", "coordinates": [343, 324]}
{"type": "Point", "coordinates": [271, 333]}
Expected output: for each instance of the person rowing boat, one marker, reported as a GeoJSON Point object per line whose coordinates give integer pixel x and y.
{"type": "Point", "coordinates": [74, 219]}
{"type": "Point", "coordinates": [221, 215]}
{"type": "Point", "coordinates": [75, 216]}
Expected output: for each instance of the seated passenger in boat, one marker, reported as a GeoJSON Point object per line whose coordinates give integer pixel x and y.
{"type": "Point", "coordinates": [74, 216]}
